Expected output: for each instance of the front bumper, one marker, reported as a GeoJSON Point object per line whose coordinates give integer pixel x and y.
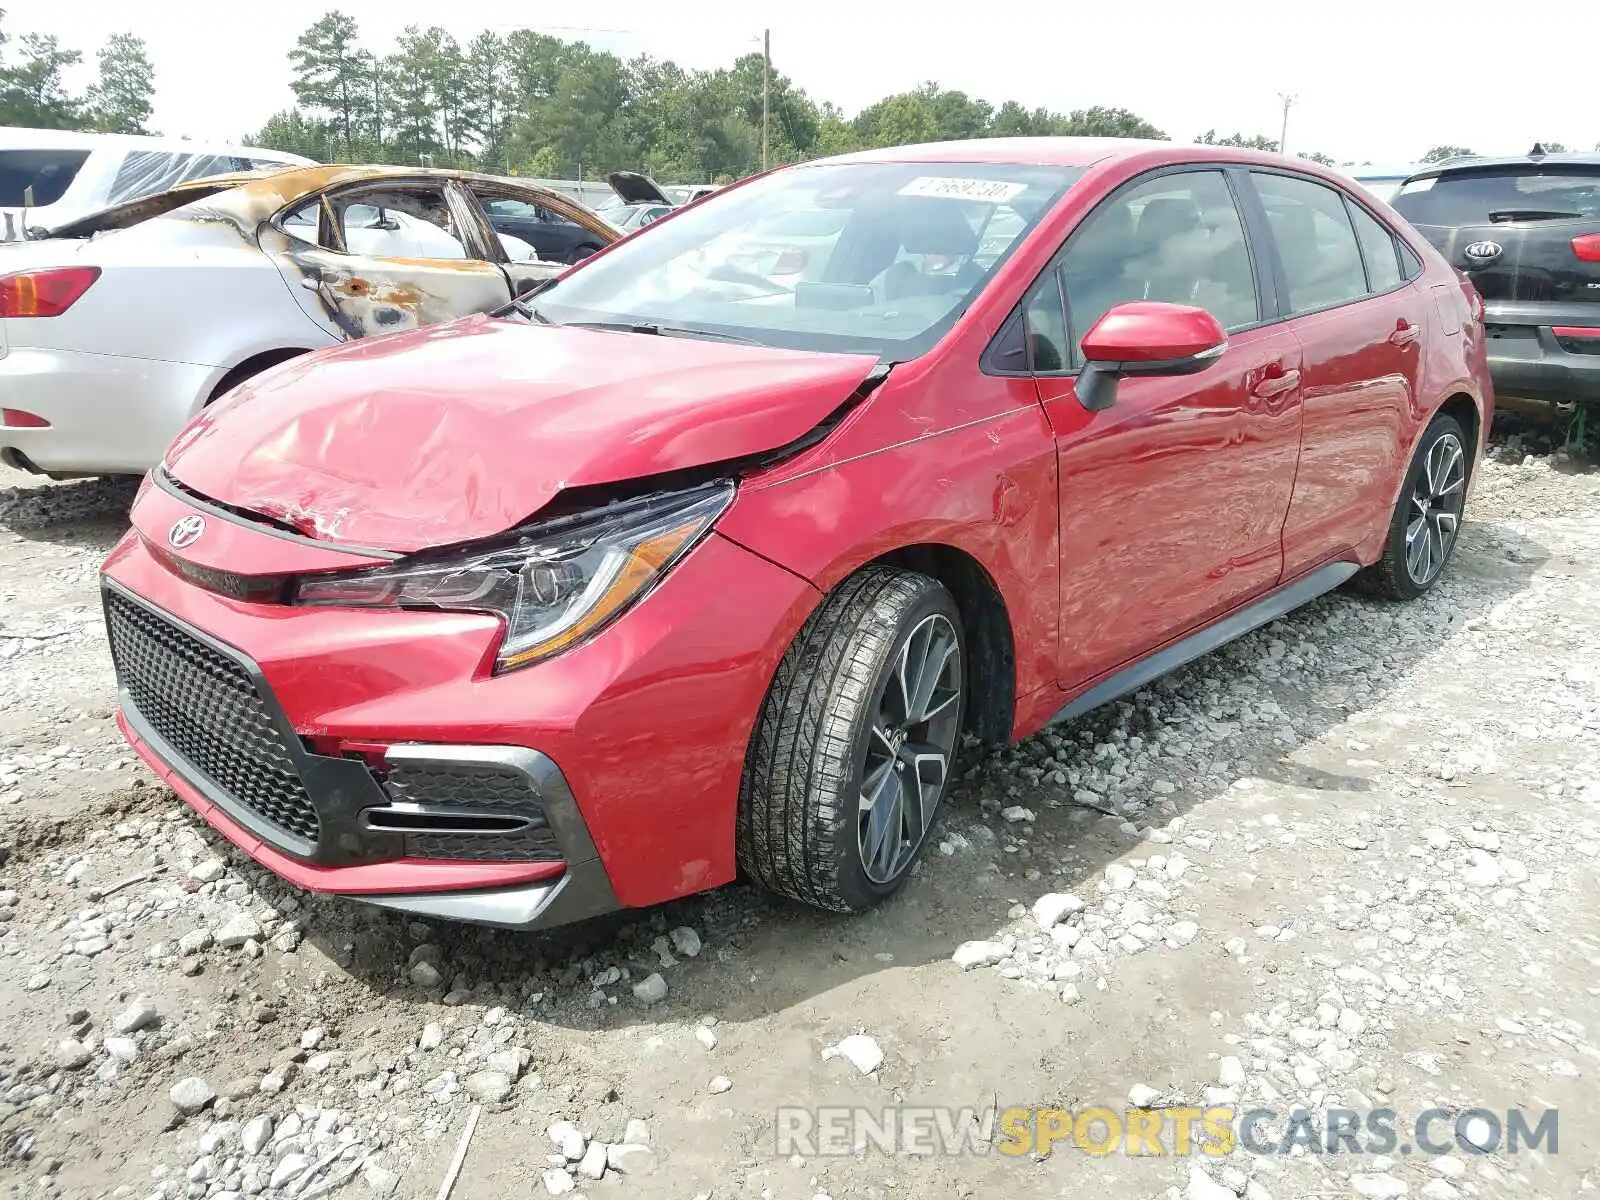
{"type": "Point", "coordinates": [644, 728]}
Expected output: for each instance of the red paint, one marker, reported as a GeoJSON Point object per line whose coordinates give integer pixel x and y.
{"type": "Point", "coordinates": [460, 431]}
{"type": "Point", "coordinates": [1107, 535]}
{"type": "Point", "coordinates": [1149, 331]}
{"type": "Point", "coordinates": [1571, 331]}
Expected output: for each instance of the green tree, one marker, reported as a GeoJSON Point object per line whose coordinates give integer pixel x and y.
{"type": "Point", "coordinates": [1107, 122]}
{"type": "Point", "coordinates": [484, 112]}
{"type": "Point", "coordinates": [294, 132]}
{"type": "Point", "coordinates": [330, 73]}
{"type": "Point", "coordinates": [32, 91]}
{"type": "Point", "coordinates": [1440, 153]}
{"type": "Point", "coordinates": [412, 112]}
{"type": "Point", "coordinates": [120, 101]}
{"type": "Point", "coordinates": [1258, 142]}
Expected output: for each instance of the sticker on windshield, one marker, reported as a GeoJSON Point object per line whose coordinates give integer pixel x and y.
{"type": "Point", "coordinates": [990, 191]}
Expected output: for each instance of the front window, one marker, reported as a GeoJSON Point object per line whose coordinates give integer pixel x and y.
{"type": "Point", "coordinates": [888, 254]}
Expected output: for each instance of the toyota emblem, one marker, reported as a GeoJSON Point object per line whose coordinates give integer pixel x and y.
{"type": "Point", "coordinates": [186, 531]}
{"type": "Point", "coordinates": [1482, 251]}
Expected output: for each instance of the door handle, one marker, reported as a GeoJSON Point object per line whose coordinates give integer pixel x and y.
{"type": "Point", "coordinates": [1277, 382]}
{"type": "Point", "coordinates": [1404, 333]}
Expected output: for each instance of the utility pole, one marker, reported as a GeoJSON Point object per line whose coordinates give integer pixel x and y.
{"type": "Point", "coordinates": [766, 92]}
{"type": "Point", "coordinates": [1283, 136]}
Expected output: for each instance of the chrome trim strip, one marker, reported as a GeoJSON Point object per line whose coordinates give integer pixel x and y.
{"type": "Point", "coordinates": [506, 908]}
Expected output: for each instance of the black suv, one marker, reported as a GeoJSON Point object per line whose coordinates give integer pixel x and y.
{"type": "Point", "coordinates": [1526, 231]}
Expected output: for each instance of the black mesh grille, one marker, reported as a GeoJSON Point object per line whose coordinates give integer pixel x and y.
{"type": "Point", "coordinates": [206, 707]}
{"type": "Point", "coordinates": [482, 788]}
{"type": "Point", "coordinates": [532, 844]}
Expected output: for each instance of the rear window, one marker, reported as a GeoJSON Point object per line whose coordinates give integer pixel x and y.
{"type": "Point", "coordinates": [35, 178]}
{"type": "Point", "coordinates": [1483, 196]}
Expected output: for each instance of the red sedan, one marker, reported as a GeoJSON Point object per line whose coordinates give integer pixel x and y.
{"type": "Point", "coordinates": [700, 561]}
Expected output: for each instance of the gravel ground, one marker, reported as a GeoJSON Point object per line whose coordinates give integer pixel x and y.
{"type": "Point", "coordinates": [1348, 862]}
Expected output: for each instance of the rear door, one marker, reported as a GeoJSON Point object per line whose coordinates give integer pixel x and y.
{"type": "Point", "coordinates": [1172, 500]}
{"type": "Point", "coordinates": [584, 232]}
{"type": "Point", "coordinates": [382, 257]}
{"type": "Point", "coordinates": [1361, 323]}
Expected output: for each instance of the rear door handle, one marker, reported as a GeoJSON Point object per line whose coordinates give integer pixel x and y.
{"type": "Point", "coordinates": [1404, 333]}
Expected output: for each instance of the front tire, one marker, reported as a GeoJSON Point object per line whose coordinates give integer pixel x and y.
{"type": "Point", "coordinates": [1427, 518]}
{"type": "Point", "coordinates": [853, 750]}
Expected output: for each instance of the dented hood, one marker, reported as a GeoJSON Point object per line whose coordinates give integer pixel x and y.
{"type": "Point", "coordinates": [464, 430]}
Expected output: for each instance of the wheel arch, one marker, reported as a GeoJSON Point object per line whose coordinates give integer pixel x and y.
{"type": "Point", "coordinates": [253, 365]}
{"type": "Point", "coordinates": [986, 626]}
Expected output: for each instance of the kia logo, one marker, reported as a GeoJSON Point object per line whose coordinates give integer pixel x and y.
{"type": "Point", "coordinates": [186, 531]}
{"type": "Point", "coordinates": [1483, 251]}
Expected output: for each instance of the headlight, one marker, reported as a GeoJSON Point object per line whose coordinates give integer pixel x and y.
{"type": "Point", "coordinates": [555, 586]}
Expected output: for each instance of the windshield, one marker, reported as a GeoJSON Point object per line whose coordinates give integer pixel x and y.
{"type": "Point", "coordinates": [1478, 197]}
{"type": "Point", "coordinates": [877, 258]}
{"type": "Point", "coordinates": [35, 178]}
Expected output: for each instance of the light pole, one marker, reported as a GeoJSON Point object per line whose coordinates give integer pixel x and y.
{"type": "Point", "coordinates": [1283, 135]}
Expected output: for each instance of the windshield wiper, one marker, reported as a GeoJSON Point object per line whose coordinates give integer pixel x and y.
{"type": "Point", "coordinates": [656, 330]}
{"type": "Point", "coordinates": [1530, 214]}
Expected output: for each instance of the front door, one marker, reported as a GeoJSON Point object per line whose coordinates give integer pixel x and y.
{"type": "Point", "coordinates": [378, 258]}
{"type": "Point", "coordinates": [1172, 501]}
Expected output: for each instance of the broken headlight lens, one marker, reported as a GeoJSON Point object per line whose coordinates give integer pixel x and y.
{"type": "Point", "coordinates": [560, 584]}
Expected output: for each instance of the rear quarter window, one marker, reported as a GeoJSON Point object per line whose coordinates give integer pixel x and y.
{"type": "Point", "coordinates": [35, 178]}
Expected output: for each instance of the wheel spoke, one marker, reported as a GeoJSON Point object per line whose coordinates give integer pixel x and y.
{"type": "Point", "coordinates": [1430, 466]}
{"type": "Point", "coordinates": [887, 844]}
{"type": "Point", "coordinates": [929, 766]}
{"type": "Point", "coordinates": [1446, 521]}
{"type": "Point", "coordinates": [936, 657]}
{"type": "Point", "coordinates": [1416, 537]}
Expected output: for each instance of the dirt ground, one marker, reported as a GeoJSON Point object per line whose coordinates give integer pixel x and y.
{"type": "Point", "coordinates": [1353, 864]}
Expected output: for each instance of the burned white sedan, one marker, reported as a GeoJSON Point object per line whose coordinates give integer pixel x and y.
{"type": "Point", "coordinates": [116, 329]}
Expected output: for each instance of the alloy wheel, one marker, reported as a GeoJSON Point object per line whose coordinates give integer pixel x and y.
{"type": "Point", "coordinates": [916, 721]}
{"type": "Point", "coordinates": [1437, 496]}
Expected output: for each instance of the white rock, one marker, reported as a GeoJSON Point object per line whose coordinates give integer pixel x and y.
{"type": "Point", "coordinates": [1203, 1187]}
{"type": "Point", "coordinates": [1016, 813]}
{"type": "Point", "coordinates": [256, 1134]}
{"type": "Point", "coordinates": [1181, 933]}
{"type": "Point", "coordinates": [190, 1095]}
{"type": "Point", "coordinates": [1483, 871]}
{"type": "Point", "coordinates": [860, 1049]}
{"type": "Point", "coordinates": [141, 1014]}
{"type": "Point", "coordinates": [978, 954]}
{"type": "Point", "coordinates": [425, 975]}
{"type": "Point", "coordinates": [237, 930]}
{"type": "Point", "coordinates": [637, 1133]}
{"type": "Point", "coordinates": [558, 1182]}
{"type": "Point", "coordinates": [290, 1167]}
{"type": "Point", "coordinates": [1121, 877]}
{"type": "Point", "coordinates": [1050, 909]}
{"type": "Point", "coordinates": [1230, 1072]}
{"type": "Point", "coordinates": [593, 1163]}
{"type": "Point", "coordinates": [685, 941]}
{"type": "Point", "coordinates": [1378, 1185]}
{"type": "Point", "coordinates": [207, 870]}
{"type": "Point", "coordinates": [123, 1049]}
{"type": "Point", "coordinates": [652, 989]}
{"type": "Point", "coordinates": [719, 1085]}
{"type": "Point", "coordinates": [1142, 1095]}
{"type": "Point", "coordinates": [488, 1086]}
{"type": "Point", "coordinates": [312, 1038]}
{"type": "Point", "coordinates": [705, 1037]}
{"type": "Point", "coordinates": [568, 1139]}
{"type": "Point", "coordinates": [431, 1037]}
{"type": "Point", "coordinates": [1449, 1166]}
{"type": "Point", "coordinates": [631, 1160]}
{"type": "Point", "coordinates": [73, 1055]}
{"type": "Point", "coordinates": [1439, 1189]}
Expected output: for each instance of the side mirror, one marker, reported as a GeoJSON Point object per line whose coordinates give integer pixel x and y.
{"type": "Point", "coordinates": [1145, 337]}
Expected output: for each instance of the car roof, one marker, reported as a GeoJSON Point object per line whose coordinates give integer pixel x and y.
{"type": "Point", "coordinates": [1499, 162]}
{"type": "Point", "coordinates": [77, 139]}
{"type": "Point", "coordinates": [1075, 152]}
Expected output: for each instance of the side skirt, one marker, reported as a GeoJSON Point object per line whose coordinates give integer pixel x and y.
{"type": "Point", "coordinates": [1269, 608]}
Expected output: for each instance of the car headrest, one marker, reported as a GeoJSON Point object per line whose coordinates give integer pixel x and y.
{"type": "Point", "coordinates": [1167, 217]}
{"type": "Point", "coordinates": [935, 227]}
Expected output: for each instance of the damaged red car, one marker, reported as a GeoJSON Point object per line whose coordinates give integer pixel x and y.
{"type": "Point", "coordinates": [701, 560]}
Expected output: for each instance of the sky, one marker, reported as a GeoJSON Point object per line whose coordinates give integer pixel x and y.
{"type": "Point", "coordinates": [1372, 81]}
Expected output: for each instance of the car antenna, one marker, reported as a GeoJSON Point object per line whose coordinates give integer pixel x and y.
{"type": "Point", "coordinates": [1537, 151]}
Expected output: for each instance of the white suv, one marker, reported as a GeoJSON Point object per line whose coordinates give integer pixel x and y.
{"type": "Point", "coordinates": [51, 176]}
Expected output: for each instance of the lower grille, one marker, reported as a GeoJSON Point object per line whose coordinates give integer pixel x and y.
{"type": "Point", "coordinates": [205, 705]}
{"type": "Point", "coordinates": [487, 811]}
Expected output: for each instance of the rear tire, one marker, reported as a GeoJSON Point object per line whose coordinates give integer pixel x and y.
{"type": "Point", "coordinates": [853, 750]}
{"type": "Point", "coordinates": [1427, 517]}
